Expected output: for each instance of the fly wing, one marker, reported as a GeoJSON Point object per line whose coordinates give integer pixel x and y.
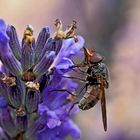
{"type": "Point", "coordinates": [103, 107]}
{"type": "Point", "coordinates": [105, 74]}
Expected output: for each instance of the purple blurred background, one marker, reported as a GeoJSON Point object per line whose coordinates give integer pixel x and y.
{"type": "Point", "coordinates": [112, 27]}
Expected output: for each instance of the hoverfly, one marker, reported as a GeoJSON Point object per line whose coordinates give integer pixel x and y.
{"type": "Point", "coordinates": [96, 81]}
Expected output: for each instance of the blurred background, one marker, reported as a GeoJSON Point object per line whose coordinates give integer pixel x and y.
{"type": "Point", "coordinates": [112, 27]}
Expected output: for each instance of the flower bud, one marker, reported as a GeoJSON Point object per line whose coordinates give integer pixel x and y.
{"type": "Point", "coordinates": [44, 64]}
{"type": "Point", "coordinates": [41, 41]}
{"type": "Point", "coordinates": [27, 59]}
{"type": "Point", "coordinates": [32, 101]}
{"type": "Point", "coordinates": [13, 41]}
{"type": "Point", "coordinates": [15, 96]}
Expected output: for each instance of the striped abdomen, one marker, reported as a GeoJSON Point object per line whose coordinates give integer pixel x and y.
{"type": "Point", "coordinates": [90, 98]}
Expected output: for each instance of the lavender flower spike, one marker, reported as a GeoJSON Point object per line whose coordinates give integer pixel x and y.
{"type": "Point", "coordinates": [29, 110]}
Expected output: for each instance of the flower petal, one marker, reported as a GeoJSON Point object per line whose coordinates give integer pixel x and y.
{"type": "Point", "coordinates": [64, 65]}
{"type": "Point", "coordinates": [52, 120]}
{"type": "Point", "coordinates": [42, 108]}
{"type": "Point", "coordinates": [2, 25]}
{"type": "Point", "coordinates": [3, 39]}
{"type": "Point", "coordinates": [3, 102]}
{"type": "Point", "coordinates": [69, 127]}
{"type": "Point", "coordinates": [70, 48]}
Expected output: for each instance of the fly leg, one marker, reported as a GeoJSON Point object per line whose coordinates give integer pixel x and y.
{"type": "Point", "coordinates": [72, 106]}
{"type": "Point", "coordinates": [69, 99]}
{"type": "Point", "coordinates": [80, 71]}
{"type": "Point", "coordinates": [76, 102]}
{"type": "Point", "coordinates": [64, 90]}
{"type": "Point", "coordinates": [70, 77]}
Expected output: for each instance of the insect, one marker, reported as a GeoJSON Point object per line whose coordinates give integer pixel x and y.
{"type": "Point", "coordinates": [96, 81]}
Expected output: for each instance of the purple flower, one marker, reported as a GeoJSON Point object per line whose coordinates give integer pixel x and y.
{"type": "Point", "coordinates": [31, 73]}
